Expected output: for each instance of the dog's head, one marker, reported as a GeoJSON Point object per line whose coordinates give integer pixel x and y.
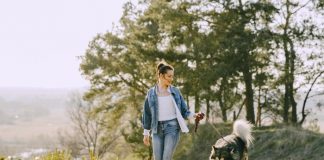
{"type": "Point", "coordinates": [229, 148]}
{"type": "Point", "coordinates": [226, 153]}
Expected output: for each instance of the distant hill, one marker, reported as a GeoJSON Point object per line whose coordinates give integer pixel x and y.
{"type": "Point", "coordinates": [31, 117]}
{"type": "Point", "coordinates": [26, 104]}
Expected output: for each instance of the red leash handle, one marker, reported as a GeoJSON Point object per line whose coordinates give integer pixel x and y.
{"type": "Point", "coordinates": [199, 117]}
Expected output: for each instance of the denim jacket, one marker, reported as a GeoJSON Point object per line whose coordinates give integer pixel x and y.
{"type": "Point", "coordinates": [150, 111]}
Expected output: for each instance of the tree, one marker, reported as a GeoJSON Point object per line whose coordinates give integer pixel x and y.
{"type": "Point", "coordinates": [240, 40]}
{"type": "Point", "coordinates": [87, 130]}
{"type": "Point", "coordinates": [295, 34]}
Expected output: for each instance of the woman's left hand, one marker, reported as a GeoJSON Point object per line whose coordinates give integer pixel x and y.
{"type": "Point", "coordinates": [146, 140]}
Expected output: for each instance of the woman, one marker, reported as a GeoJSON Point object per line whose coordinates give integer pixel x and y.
{"type": "Point", "coordinates": [164, 113]}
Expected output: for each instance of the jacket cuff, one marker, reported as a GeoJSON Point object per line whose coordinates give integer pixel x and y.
{"type": "Point", "coordinates": [191, 115]}
{"type": "Point", "coordinates": [146, 132]}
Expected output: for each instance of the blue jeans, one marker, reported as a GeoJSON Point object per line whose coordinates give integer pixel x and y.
{"type": "Point", "coordinates": [166, 139]}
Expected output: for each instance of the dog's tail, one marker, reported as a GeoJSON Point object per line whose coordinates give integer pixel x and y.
{"type": "Point", "coordinates": [242, 129]}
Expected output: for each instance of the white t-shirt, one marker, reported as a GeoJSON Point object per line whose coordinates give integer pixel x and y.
{"type": "Point", "coordinates": [166, 108]}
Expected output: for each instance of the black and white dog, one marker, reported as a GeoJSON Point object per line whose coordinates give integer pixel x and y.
{"type": "Point", "coordinates": [234, 146]}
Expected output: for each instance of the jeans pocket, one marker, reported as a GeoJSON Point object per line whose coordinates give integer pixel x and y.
{"type": "Point", "coordinates": [173, 124]}
{"type": "Point", "coordinates": [171, 129]}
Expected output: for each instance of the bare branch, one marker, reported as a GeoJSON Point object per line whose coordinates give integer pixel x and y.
{"type": "Point", "coordinates": [244, 101]}
{"type": "Point", "coordinates": [306, 98]}
{"type": "Point", "coordinates": [319, 94]}
{"type": "Point", "coordinates": [301, 7]}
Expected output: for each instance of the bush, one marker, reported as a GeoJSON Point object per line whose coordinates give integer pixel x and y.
{"type": "Point", "coordinates": [57, 155]}
{"type": "Point", "coordinates": [63, 155]}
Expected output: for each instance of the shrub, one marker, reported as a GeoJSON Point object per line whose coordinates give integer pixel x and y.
{"type": "Point", "coordinates": [57, 155]}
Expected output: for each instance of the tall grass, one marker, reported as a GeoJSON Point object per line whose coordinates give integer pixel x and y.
{"type": "Point", "coordinates": [56, 155]}
{"type": "Point", "coordinates": [64, 155]}
{"type": "Point", "coordinates": [287, 143]}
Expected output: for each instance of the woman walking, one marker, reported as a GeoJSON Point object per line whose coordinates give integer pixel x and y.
{"type": "Point", "coordinates": [164, 113]}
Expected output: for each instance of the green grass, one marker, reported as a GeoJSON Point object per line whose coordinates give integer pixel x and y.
{"type": "Point", "coordinates": [276, 142]}
{"type": "Point", "coordinates": [64, 155]}
{"type": "Point", "coordinates": [287, 143]}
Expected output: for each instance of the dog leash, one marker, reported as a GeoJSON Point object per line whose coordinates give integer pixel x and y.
{"type": "Point", "coordinates": [219, 133]}
{"type": "Point", "coordinates": [201, 116]}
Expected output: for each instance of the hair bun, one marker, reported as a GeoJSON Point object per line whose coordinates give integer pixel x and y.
{"type": "Point", "coordinates": [160, 65]}
{"type": "Point", "coordinates": [162, 68]}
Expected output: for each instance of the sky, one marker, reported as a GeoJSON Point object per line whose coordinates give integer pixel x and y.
{"type": "Point", "coordinates": [41, 39]}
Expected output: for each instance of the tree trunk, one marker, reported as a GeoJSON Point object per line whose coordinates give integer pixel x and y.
{"type": "Point", "coordinates": [286, 98]}
{"type": "Point", "coordinates": [223, 108]}
{"type": "Point", "coordinates": [221, 98]}
{"type": "Point", "coordinates": [207, 109]}
{"type": "Point", "coordinates": [291, 82]}
{"type": "Point", "coordinates": [197, 103]}
{"type": "Point", "coordinates": [248, 92]}
{"type": "Point", "coordinates": [246, 71]}
{"type": "Point", "coordinates": [258, 119]}
{"type": "Point", "coordinates": [287, 102]}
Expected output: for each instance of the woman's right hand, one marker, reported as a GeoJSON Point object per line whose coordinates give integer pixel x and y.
{"type": "Point", "coordinates": [146, 140]}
